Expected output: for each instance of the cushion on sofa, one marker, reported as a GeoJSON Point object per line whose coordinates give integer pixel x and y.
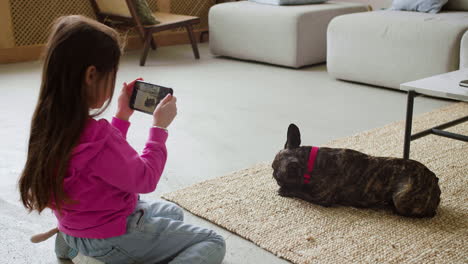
{"type": "Point", "coordinates": [457, 5]}
{"type": "Point", "coordinates": [387, 48]}
{"type": "Point", "coordinates": [425, 6]}
{"type": "Point", "coordinates": [288, 2]}
{"type": "Point", "coordinates": [464, 51]}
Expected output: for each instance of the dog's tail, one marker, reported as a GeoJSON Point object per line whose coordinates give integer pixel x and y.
{"type": "Point", "coordinates": [44, 236]}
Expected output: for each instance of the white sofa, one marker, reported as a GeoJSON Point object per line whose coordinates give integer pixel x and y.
{"type": "Point", "coordinates": [387, 48]}
{"type": "Point", "coordinates": [292, 36]}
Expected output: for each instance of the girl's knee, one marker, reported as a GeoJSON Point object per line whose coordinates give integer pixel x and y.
{"type": "Point", "coordinates": [176, 212]}
{"type": "Point", "coordinates": [168, 210]}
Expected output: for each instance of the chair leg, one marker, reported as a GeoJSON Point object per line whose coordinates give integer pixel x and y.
{"type": "Point", "coordinates": [203, 33]}
{"type": "Point", "coordinates": [193, 41]}
{"type": "Point", "coordinates": [146, 46]}
{"type": "Point", "coordinates": [154, 46]}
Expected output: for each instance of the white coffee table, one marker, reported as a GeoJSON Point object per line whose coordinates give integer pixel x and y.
{"type": "Point", "coordinates": [445, 86]}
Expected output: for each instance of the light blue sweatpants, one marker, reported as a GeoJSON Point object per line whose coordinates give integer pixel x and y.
{"type": "Point", "coordinates": [156, 233]}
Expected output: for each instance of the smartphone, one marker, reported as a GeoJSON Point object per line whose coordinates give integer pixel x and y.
{"type": "Point", "coordinates": [146, 96]}
{"type": "Point", "coordinates": [464, 83]}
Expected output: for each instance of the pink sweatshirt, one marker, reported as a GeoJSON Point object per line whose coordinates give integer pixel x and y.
{"type": "Point", "coordinates": [105, 176]}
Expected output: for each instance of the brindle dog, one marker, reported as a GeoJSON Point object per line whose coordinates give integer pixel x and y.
{"type": "Point", "coordinates": [351, 178]}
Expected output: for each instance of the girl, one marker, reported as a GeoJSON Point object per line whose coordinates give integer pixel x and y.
{"type": "Point", "coordinates": [87, 173]}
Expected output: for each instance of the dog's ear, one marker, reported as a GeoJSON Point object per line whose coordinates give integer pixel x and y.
{"type": "Point", "coordinates": [294, 137]}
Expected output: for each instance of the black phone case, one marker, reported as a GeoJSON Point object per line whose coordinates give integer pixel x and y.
{"type": "Point", "coordinates": [162, 93]}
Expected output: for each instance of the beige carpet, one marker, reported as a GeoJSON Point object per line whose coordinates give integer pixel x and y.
{"type": "Point", "coordinates": [246, 203]}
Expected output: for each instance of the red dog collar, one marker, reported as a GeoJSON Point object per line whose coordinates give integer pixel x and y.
{"type": "Point", "coordinates": [310, 164]}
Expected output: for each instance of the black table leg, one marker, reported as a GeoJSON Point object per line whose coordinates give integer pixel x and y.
{"type": "Point", "coordinates": [409, 122]}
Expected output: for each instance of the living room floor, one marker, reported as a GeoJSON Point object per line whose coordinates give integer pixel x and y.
{"type": "Point", "coordinates": [232, 115]}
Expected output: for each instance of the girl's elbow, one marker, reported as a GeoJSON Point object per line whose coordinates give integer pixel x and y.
{"type": "Point", "coordinates": [150, 185]}
{"type": "Point", "coordinates": [151, 175]}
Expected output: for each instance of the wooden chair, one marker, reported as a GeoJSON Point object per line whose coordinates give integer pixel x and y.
{"type": "Point", "coordinates": [126, 14]}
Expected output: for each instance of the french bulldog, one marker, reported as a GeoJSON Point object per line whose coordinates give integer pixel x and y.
{"type": "Point", "coordinates": [336, 176]}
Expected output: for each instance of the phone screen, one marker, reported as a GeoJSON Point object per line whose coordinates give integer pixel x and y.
{"type": "Point", "coordinates": [146, 96]}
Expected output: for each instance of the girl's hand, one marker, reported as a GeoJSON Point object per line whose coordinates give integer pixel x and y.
{"type": "Point", "coordinates": [165, 112]}
{"type": "Point", "coordinates": [123, 109]}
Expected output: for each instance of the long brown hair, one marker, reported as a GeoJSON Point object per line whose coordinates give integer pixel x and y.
{"type": "Point", "coordinates": [75, 43]}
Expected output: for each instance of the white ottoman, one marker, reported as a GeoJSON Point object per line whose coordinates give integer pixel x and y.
{"type": "Point", "coordinates": [292, 36]}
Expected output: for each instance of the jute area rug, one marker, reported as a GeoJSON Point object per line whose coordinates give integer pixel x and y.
{"type": "Point", "coordinates": [246, 203]}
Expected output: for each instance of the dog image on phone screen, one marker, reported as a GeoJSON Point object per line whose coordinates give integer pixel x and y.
{"type": "Point", "coordinates": [335, 176]}
{"type": "Point", "coordinates": [146, 96]}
